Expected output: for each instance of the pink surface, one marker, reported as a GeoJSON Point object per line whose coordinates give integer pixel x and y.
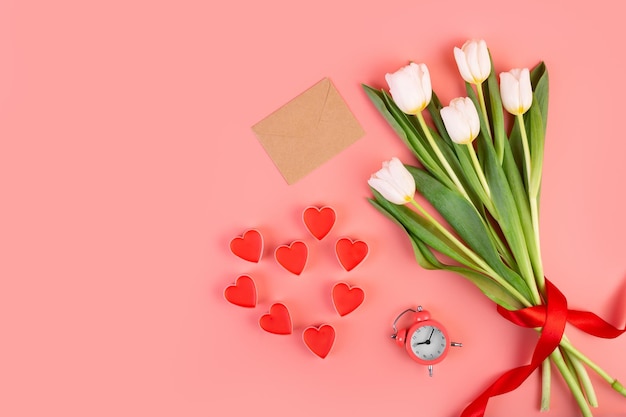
{"type": "Point", "coordinates": [127, 164]}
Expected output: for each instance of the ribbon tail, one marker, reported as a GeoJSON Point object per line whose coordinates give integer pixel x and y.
{"type": "Point", "coordinates": [553, 317]}
{"type": "Point", "coordinates": [507, 382]}
{"type": "Point", "coordinates": [594, 325]}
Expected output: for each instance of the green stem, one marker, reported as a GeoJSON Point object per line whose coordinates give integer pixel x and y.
{"type": "Point", "coordinates": [471, 255]}
{"type": "Point", "coordinates": [532, 266]}
{"type": "Point", "coordinates": [577, 369]}
{"type": "Point", "coordinates": [534, 258]}
{"type": "Point", "coordinates": [535, 248]}
{"type": "Point", "coordinates": [478, 169]}
{"type": "Point", "coordinates": [536, 251]}
{"type": "Point", "coordinates": [483, 106]}
{"type": "Point", "coordinates": [577, 358]}
{"type": "Point", "coordinates": [617, 386]}
{"type": "Point", "coordinates": [585, 381]}
{"type": "Point", "coordinates": [546, 373]}
{"type": "Point", "coordinates": [522, 128]}
{"type": "Point", "coordinates": [571, 382]}
{"type": "Point", "coordinates": [442, 159]}
{"type": "Point", "coordinates": [537, 265]}
{"type": "Point", "coordinates": [595, 367]}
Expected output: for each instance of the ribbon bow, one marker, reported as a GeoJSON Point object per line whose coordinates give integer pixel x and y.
{"type": "Point", "coordinates": [552, 316]}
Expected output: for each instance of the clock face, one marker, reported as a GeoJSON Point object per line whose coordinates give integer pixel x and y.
{"type": "Point", "coordinates": [428, 343]}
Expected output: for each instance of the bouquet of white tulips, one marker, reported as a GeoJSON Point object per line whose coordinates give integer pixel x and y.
{"type": "Point", "coordinates": [484, 180]}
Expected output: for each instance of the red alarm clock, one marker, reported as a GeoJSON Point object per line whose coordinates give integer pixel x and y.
{"type": "Point", "coordinates": [426, 340]}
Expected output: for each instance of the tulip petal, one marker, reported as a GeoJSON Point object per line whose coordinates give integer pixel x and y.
{"type": "Point", "coordinates": [516, 90]}
{"type": "Point", "coordinates": [394, 182]}
{"type": "Point", "coordinates": [526, 91]}
{"type": "Point", "coordinates": [461, 120]}
{"type": "Point", "coordinates": [471, 115]}
{"type": "Point", "coordinates": [427, 89]}
{"type": "Point", "coordinates": [509, 90]}
{"type": "Point", "coordinates": [461, 63]}
{"type": "Point", "coordinates": [402, 177]}
{"type": "Point", "coordinates": [455, 125]}
{"type": "Point", "coordinates": [473, 61]}
{"type": "Point", "coordinates": [410, 87]}
{"type": "Point", "coordinates": [484, 61]}
{"type": "Point", "coordinates": [386, 190]}
{"type": "Point", "coordinates": [471, 54]}
{"type": "Point", "coordinates": [384, 173]}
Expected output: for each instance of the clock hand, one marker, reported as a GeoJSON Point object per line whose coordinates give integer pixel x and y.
{"type": "Point", "coordinates": [431, 335]}
{"type": "Point", "coordinates": [427, 341]}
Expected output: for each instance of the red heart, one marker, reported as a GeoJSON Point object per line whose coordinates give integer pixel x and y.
{"type": "Point", "coordinates": [350, 253]}
{"type": "Point", "coordinates": [277, 321]}
{"type": "Point", "coordinates": [293, 257]}
{"type": "Point", "coordinates": [319, 221]}
{"type": "Point", "coordinates": [249, 246]}
{"type": "Point", "coordinates": [319, 339]}
{"type": "Point", "coordinates": [346, 299]}
{"type": "Point", "coordinates": [242, 293]}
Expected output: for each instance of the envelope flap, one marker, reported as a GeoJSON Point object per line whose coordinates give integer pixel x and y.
{"type": "Point", "coordinates": [308, 131]}
{"type": "Point", "coordinates": [299, 116]}
{"type": "Point", "coordinates": [337, 113]}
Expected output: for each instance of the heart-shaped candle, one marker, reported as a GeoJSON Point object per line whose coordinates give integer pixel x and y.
{"type": "Point", "coordinates": [249, 246]}
{"type": "Point", "coordinates": [320, 339]}
{"type": "Point", "coordinates": [319, 221]}
{"type": "Point", "coordinates": [350, 253]}
{"type": "Point", "coordinates": [292, 257]}
{"type": "Point", "coordinates": [242, 293]}
{"type": "Point", "coordinates": [346, 298]}
{"type": "Point", "coordinates": [277, 321]}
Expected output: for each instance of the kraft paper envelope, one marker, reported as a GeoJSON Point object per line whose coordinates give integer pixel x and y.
{"type": "Point", "coordinates": [308, 131]}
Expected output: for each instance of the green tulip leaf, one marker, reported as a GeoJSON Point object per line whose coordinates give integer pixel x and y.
{"type": "Point", "coordinates": [516, 184]}
{"type": "Point", "coordinates": [507, 214]}
{"type": "Point", "coordinates": [424, 256]}
{"type": "Point", "coordinates": [466, 177]}
{"type": "Point", "coordinates": [536, 143]}
{"type": "Point", "coordinates": [427, 260]}
{"type": "Point", "coordinates": [415, 224]}
{"type": "Point", "coordinates": [540, 82]}
{"type": "Point", "coordinates": [407, 131]}
{"type": "Point", "coordinates": [537, 123]}
{"type": "Point", "coordinates": [457, 156]}
{"type": "Point", "coordinates": [471, 176]}
{"type": "Point", "coordinates": [484, 123]}
{"type": "Point", "coordinates": [434, 109]}
{"type": "Point", "coordinates": [376, 97]}
{"type": "Point", "coordinates": [458, 212]}
{"type": "Point", "coordinates": [464, 219]}
{"type": "Point", "coordinates": [485, 284]}
{"type": "Point", "coordinates": [425, 153]}
{"type": "Point", "coordinates": [493, 102]}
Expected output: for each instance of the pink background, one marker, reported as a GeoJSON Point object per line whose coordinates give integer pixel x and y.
{"type": "Point", "coordinates": [127, 164]}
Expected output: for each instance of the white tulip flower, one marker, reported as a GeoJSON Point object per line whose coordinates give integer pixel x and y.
{"type": "Point", "coordinates": [410, 88]}
{"type": "Point", "coordinates": [461, 120]}
{"type": "Point", "coordinates": [516, 90]}
{"type": "Point", "coordinates": [473, 61]}
{"type": "Point", "coordinates": [394, 182]}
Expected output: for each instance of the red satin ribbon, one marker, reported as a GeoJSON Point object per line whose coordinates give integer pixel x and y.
{"type": "Point", "coordinates": [552, 316]}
